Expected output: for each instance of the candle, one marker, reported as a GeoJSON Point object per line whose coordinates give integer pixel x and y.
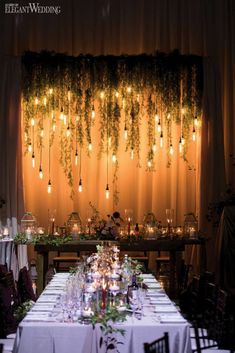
{"type": "Point", "coordinates": [28, 233]}
{"type": "Point", "coordinates": [5, 232]}
{"type": "Point", "coordinates": [129, 225]}
{"type": "Point", "coordinates": [87, 312]}
{"type": "Point", "coordinates": [89, 226]}
{"type": "Point", "coordinates": [103, 295]}
{"type": "Point", "coordinates": [114, 287]}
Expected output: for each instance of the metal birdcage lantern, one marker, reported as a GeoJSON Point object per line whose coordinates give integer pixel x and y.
{"type": "Point", "coordinates": [28, 225]}
{"type": "Point", "coordinates": [190, 225]}
{"type": "Point", "coordinates": [74, 225]}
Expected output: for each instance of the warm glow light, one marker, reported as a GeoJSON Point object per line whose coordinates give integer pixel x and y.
{"type": "Point", "coordinates": [80, 186]}
{"type": "Point", "coordinates": [195, 121]}
{"type": "Point", "coordinates": [68, 132]}
{"type": "Point", "coordinates": [102, 94]}
{"type": "Point", "coordinates": [180, 146]}
{"type": "Point", "coordinates": [30, 148]}
{"type": "Point", "coordinates": [125, 133]}
{"type": "Point", "coordinates": [128, 89]}
{"type": "Point", "coordinates": [168, 116]}
{"type": "Point", "coordinates": [107, 192]}
{"type": "Point", "coordinates": [65, 119]}
{"type": "Point", "coordinates": [138, 97]}
{"type": "Point", "coordinates": [49, 187]}
{"type": "Point", "coordinates": [54, 127]}
{"type": "Point", "coordinates": [90, 147]}
{"type": "Point", "coordinates": [149, 164]}
{"type": "Point", "coordinates": [32, 122]}
{"type": "Point", "coordinates": [183, 140]}
{"type": "Point", "coordinates": [76, 158]}
{"type": "Point", "coordinates": [36, 100]}
{"type": "Point", "coordinates": [116, 94]}
{"type": "Point", "coordinates": [93, 113]}
{"type": "Point", "coordinates": [171, 149]}
{"type": "Point", "coordinates": [159, 126]}
{"type": "Point", "coordinates": [157, 118]}
{"type": "Point", "coordinates": [161, 139]}
{"type": "Point", "coordinates": [40, 173]}
{"type": "Point", "coordinates": [69, 95]}
{"type": "Point", "coordinates": [114, 158]}
{"type": "Point", "coordinates": [154, 147]}
{"type": "Point", "coordinates": [42, 133]}
{"type": "Point", "coordinates": [45, 101]}
{"type": "Point", "coordinates": [194, 134]}
{"type": "Point", "coordinates": [33, 160]}
{"type": "Point", "coordinates": [50, 90]}
{"type": "Point", "coordinates": [61, 115]}
{"type": "Point", "coordinates": [132, 153]}
{"type": "Point", "coordinates": [109, 141]}
{"type": "Point", "coordinates": [183, 110]}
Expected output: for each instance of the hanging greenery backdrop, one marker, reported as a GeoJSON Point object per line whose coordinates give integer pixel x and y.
{"type": "Point", "coordinates": [66, 94]}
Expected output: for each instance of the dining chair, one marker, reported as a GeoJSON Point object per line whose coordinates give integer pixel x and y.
{"type": "Point", "coordinates": [160, 345]}
{"type": "Point", "coordinates": [25, 285]}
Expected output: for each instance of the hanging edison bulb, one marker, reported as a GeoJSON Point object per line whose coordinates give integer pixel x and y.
{"type": "Point", "coordinates": [80, 185]}
{"type": "Point", "coordinates": [114, 158]}
{"type": "Point", "coordinates": [109, 141]}
{"type": "Point", "coordinates": [36, 101]}
{"type": "Point", "coordinates": [171, 149]}
{"type": "Point", "coordinates": [194, 134]}
{"type": "Point", "coordinates": [54, 127]}
{"type": "Point", "coordinates": [156, 118]}
{"type": "Point", "coordinates": [33, 160]}
{"type": "Point", "coordinates": [180, 146]}
{"type": "Point", "coordinates": [102, 94]}
{"type": "Point", "coordinates": [107, 192]}
{"type": "Point", "coordinates": [45, 101]}
{"type": "Point", "coordinates": [132, 153]}
{"type": "Point", "coordinates": [68, 131]}
{"type": "Point", "coordinates": [30, 148]}
{"type": "Point", "coordinates": [161, 139]}
{"type": "Point", "coordinates": [40, 173]}
{"type": "Point", "coordinates": [125, 132]}
{"type": "Point", "coordinates": [49, 187]}
{"type": "Point", "coordinates": [42, 133]}
{"type": "Point", "coordinates": [159, 128]}
{"type": "Point", "coordinates": [90, 147]}
{"type": "Point", "coordinates": [149, 164]}
{"type": "Point", "coordinates": [32, 122]}
{"type": "Point", "coordinates": [61, 114]}
{"type": "Point", "coordinates": [195, 121]}
{"type": "Point", "coordinates": [50, 91]}
{"type": "Point", "coordinates": [116, 94]}
{"type": "Point", "coordinates": [65, 119]}
{"type": "Point", "coordinates": [93, 112]}
{"type": "Point", "coordinates": [182, 140]}
{"type": "Point", "coordinates": [128, 89]}
{"type": "Point", "coordinates": [69, 95]}
{"type": "Point", "coordinates": [76, 157]}
{"type": "Point", "coordinates": [154, 148]}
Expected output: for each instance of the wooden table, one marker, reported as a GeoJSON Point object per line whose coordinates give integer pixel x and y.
{"type": "Point", "coordinates": [173, 246]}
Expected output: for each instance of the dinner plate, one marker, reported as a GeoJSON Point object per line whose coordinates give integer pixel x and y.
{"type": "Point", "coordinates": [169, 320]}
{"type": "Point", "coordinates": [165, 309]}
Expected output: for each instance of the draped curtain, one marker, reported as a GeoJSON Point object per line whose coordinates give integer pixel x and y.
{"type": "Point", "coordinates": [98, 27]}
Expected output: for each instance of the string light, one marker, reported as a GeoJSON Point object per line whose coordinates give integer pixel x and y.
{"type": "Point", "coordinates": [80, 185]}
{"type": "Point", "coordinates": [171, 149]}
{"type": "Point", "coordinates": [40, 173]}
{"type": "Point", "coordinates": [161, 139]}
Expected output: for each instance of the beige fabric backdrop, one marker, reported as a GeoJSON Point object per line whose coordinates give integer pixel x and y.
{"type": "Point", "coordinates": [114, 27]}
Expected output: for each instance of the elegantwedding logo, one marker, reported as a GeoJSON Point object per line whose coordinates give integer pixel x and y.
{"type": "Point", "coordinates": [31, 7]}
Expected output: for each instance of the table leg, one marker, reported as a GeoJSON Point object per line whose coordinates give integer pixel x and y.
{"type": "Point", "coordinates": [172, 279]}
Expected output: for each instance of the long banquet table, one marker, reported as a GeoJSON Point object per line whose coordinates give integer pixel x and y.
{"type": "Point", "coordinates": [173, 246]}
{"type": "Point", "coordinates": [41, 331]}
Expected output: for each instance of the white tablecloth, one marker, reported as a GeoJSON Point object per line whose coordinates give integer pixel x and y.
{"type": "Point", "coordinates": [55, 337]}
